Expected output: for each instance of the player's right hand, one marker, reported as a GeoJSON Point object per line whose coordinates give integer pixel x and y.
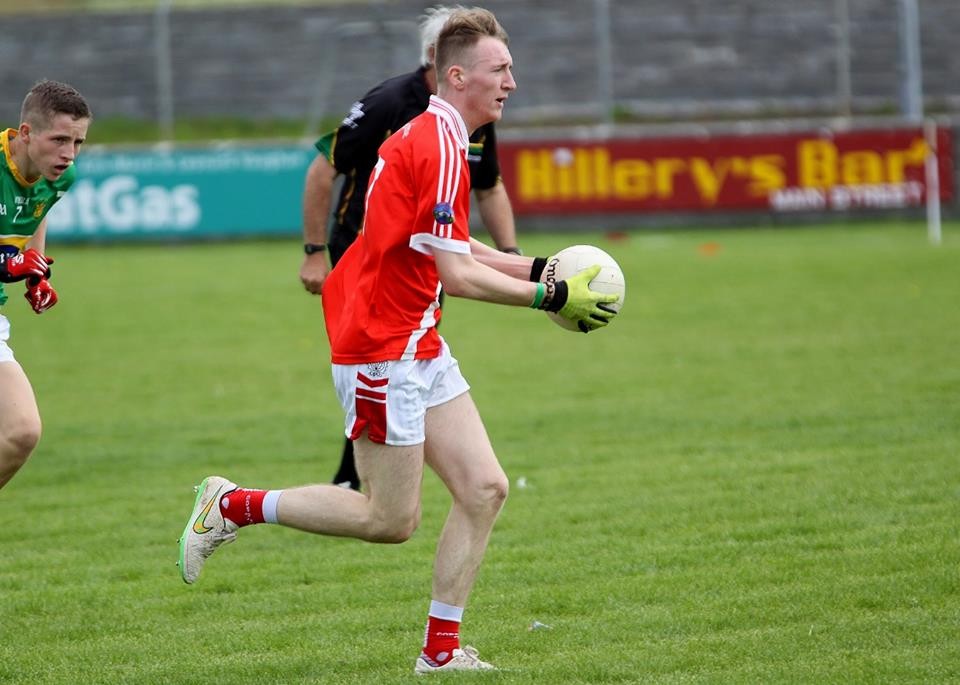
{"type": "Point", "coordinates": [27, 264]}
{"type": "Point", "coordinates": [314, 272]}
{"type": "Point", "coordinates": [40, 294]}
{"type": "Point", "coordinates": [585, 306]}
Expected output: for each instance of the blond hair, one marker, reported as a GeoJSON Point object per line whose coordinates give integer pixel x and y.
{"type": "Point", "coordinates": [462, 31]}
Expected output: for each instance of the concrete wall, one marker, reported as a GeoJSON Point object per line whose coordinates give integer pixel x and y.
{"type": "Point", "coordinates": [671, 58]}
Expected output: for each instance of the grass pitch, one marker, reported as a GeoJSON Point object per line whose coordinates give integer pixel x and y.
{"type": "Point", "coordinates": [752, 476]}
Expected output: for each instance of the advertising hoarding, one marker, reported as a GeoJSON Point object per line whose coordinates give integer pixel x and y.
{"type": "Point", "coordinates": [819, 171]}
{"type": "Point", "coordinates": [198, 193]}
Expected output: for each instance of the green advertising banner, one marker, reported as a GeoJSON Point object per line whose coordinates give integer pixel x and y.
{"type": "Point", "coordinates": [184, 193]}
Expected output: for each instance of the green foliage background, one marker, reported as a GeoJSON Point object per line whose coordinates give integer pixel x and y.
{"type": "Point", "coordinates": [751, 476]}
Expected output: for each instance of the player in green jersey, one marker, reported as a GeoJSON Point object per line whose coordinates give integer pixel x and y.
{"type": "Point", "coordinates": [36, 169]}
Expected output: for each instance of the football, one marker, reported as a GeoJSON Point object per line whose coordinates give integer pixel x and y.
{"type": "Point", "coordinates": [570, 260]}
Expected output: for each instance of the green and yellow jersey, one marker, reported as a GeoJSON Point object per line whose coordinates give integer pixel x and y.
{"type": "Point", "coordinates": [23, 205]}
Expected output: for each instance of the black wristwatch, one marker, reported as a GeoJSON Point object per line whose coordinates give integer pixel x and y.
{"type": "Point", "coordinates": [310, 248]}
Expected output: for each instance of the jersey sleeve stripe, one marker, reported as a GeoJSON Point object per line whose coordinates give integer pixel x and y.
{"type": "Point", "coordinates": [455, 151]}
{"type": "Point", "coordinates": [441, 172]}
{"type": "Point", "coordinates": [449, 177]}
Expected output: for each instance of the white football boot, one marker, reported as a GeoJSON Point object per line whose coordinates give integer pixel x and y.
{"type": "Point", "coordinates": [466, 659]}
{"type": "Point", "coordinates": [206, 528]}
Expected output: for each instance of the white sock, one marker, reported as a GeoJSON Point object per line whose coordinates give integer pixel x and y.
{"type": "Point", "coordinates": [439, 609]}
{"type": "Point", "coordinates": [270, 501]}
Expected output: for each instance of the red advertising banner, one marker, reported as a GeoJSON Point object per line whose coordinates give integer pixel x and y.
{"type": "Point", "coordinates": [818, 171]}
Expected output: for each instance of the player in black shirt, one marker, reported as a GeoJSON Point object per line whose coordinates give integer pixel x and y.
{"type": "Point", "coordinates": [351, 150]}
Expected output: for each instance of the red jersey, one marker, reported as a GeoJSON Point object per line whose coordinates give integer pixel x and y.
{"type": "Point", "coordinates": [380, 302]}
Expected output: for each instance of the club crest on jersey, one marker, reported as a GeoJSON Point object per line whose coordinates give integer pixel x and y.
{"type": "Point", "coordinates": [443, 213]}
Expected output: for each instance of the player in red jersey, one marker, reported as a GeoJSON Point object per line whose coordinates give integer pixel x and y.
{"type": "Point", "coordinates": [405, 400]}
{"type": "Point", "coordinates": [350, 151]}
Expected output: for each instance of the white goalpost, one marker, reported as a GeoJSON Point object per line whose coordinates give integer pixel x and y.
{"type": "Point", "coordinates": [932, 182]}
{"type": "Point", "coordinates": [912, 92]}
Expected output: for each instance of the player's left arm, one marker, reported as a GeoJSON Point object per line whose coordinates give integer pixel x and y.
{"type": "Point", "coordinates": [497, 215]}
{"type": "Point", "coordinates": [464, 276]}
{"type": "Point", "coordinates": [507, 263]}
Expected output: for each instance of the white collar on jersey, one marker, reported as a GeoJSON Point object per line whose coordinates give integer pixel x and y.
{"type": "Point", "coordinates": [449, 114]}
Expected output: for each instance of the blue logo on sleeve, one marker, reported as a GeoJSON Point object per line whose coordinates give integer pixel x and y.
{"type": "Point", "coordinates": [443, 213]}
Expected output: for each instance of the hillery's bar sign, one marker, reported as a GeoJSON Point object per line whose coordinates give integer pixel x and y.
{"type": "Point", "coordinates": [869, 169]}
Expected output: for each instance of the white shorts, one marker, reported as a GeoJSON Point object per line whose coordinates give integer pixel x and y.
{"type": "Point", "coordinates": [6, 354]}
{"type": "Point", "coordinates": [390, 399]}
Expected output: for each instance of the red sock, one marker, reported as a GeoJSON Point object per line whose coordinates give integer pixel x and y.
{"type": "Point", "coordinates": [243, 506]}
{"type": "Point", "coordinates": [441, 639]}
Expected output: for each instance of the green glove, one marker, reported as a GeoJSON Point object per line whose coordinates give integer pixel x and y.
{"type": "Point", "coordinates": [575, 301]}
